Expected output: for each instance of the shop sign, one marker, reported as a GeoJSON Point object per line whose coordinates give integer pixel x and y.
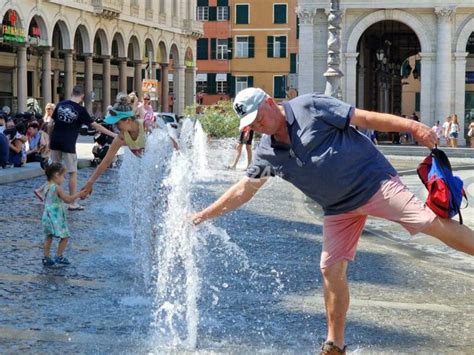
{"type": "Point", "coordinates": [34, 37]}
{"type": "Point", "coordinates": [150, 86]}
{"type": "Point", "coordinates": [9, 32]}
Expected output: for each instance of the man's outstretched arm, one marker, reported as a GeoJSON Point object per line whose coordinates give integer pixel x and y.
{"type": "Point", "coordinates": [233, 198]}
{"type": "Point", "coordinates": [385, 122]}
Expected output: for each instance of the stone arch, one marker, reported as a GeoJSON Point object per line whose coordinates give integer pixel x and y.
{"type": "Point", "coordinates": [362, 24]}
{"type": "Point", "coordinates": [134, 46]}
{"type": "Point", "coordinates": [162, 53]}
{"type": "Point", "coordinates": [120, 43]}
{"type": "Point", "coordinates": [149, 47]}
{"type": "Point", "coordinates": [174, 54]}
{"type": "Point", "coordinates": [9, 6]}
{"type": "Point", "coordinates": [65, 33]}
{"type": "Point", "coordinates": [101, 36]}
{"type": "Point", "coordinates": [38, 16]}
{"type": "Point", "coordinates": [86, 40]}
{"type": "Point", "coordinates": [464, 32]}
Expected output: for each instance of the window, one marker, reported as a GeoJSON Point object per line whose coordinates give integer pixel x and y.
{"type": "Point", "coordinates": [279, 13]}
{"type": "Point", "coordinates": [202, 49]}
{"type": "Point", "coordinates": [221, 49]}
{"type": "Point", "coordinates": [276, 47]}
{"type": "Point", "coordinates": [201, 86]}
{"type": "Point", "coordinates": [203, 13]}
{"type": "Point", "coordinates": [279, 84]}
{"type": "Point", "coordinates": [221, 87]}
{"type": "Point", "coordinates": [222, 13]}
{"type": "Point", "coordinates": [241, 82]}
{"type": "Point", "coordinates": [242, 14]}
{"type": "Point", "coordinates": [242, 47]}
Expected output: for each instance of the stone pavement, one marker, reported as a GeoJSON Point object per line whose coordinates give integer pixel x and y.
{"type": "Point", "coordinates": [408, 296]}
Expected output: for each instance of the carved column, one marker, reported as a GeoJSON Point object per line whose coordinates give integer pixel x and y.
{"type": "Point", "coordinates": [334, 73]}
{"type": "Point", "coordinates": [46, 75]}
{"type": "Point", "coordinates": [21, 78]}
{"type": "Point", "coordinates": [164, 87]}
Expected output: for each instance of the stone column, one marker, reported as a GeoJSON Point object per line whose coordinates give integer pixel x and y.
{"type": "Point", "coordinates": [164, 87]}
{"type": "Point", "coordinates": [46, 75]}
{"type": "Point", "coordinates": [68, 73]}
{"type": "Point", "coordinates": [190, 86]}
{"type": "Point", "coordinates": [351, 78]}
{"type": "Point", "coordinates": [88, 81]}
{"type": "Point", "coordinates": [460, 92]}
{"type": "Point", "coordinates": [320, 54]}
{"type": "Point", "coordinates": [22, 93]}
{"type": "Point", "coordinates": [443, 62]}
{"type": "Point", "coordinates": [179, 90]}
{"type": "Point", "coordinates": [306, 51]}
{"type": "Point", "coordinates": [137, 78]}
{"type": "Point", "coordinates": [105, 82]}
{"type": "Point", "coordinates": [153, 71]}
{"type": "Point", "coordinates": [123, 75]}
{"type": "Point", "coordinates": [55, 86]}
{"type": "Point", "coordinates": [427, 111]}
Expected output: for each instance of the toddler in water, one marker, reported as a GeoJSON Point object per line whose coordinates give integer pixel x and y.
{"type": "Point", "coordinates": [54, 215]}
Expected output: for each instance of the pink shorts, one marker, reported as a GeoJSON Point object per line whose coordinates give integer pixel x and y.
{"type": "Point", "coordinates": [393, 202]}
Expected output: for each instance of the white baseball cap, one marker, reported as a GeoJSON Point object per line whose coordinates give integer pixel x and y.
{"type": "Point", "coordinates": [246, 105]}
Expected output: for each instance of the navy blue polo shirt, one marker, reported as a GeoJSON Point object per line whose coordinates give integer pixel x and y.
{"type": "Point", "coordinates": [327, 159]}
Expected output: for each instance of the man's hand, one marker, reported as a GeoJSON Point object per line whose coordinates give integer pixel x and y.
{"type": "Point", "coordinates": [197, 218]}
{"type": "Point", "coordinates": [425, 135]}
{"type": "Point", "coordinates": [86, 190]}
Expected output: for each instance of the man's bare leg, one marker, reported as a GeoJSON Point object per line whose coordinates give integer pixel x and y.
{"type": "Point", "coordinates": [453, 234]}
{"type": "Point", "coordinates": [336, 297]}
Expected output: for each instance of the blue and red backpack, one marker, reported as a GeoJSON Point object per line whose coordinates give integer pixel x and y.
{"type": "Point", "coordinates": [445, 191]}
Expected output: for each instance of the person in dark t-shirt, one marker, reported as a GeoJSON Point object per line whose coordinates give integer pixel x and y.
{"type": "Point", "coordinates": [68, 117]}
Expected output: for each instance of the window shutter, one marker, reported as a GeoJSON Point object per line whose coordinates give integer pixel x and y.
{"type": "Point", "coordinates": [279, 87]}
{"type": "Point", "coordinates": [250, 81]}
{"type": "Point", "coordinates": [279, 14]}
{"type": "Point", "coordinates": [222, 2]}
{"type": "Point", "coordinates": [213, 48]}
{"type": "Point", "coordinates": [229, 48]}
{"type": "Point", "coordinates": [242, 14]}
{"type": "Point", "coordinates": [251, 46]}
{"type": "Point", "coordinates": [203, 3]}
{"type": "Point", "coordinates": [202, 49]}
{"type": "Point", "coordinates": [231, 86]}
{"type": "Point", "coordinates": [212, 13]}
{"type": "Point", "coordinates": [270, 46]}
{"type": "Point", "coordinates": [283, 47]}
{"type": "Point", "coordinates": [211, 83]}
{"type": "Point", "coordinates": [293, 63]}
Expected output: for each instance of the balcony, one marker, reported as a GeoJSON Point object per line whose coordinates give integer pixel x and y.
{"type": "Point", "coordinates": [108, 8]}
{"type": "Point", "coordinates": [193, 29]}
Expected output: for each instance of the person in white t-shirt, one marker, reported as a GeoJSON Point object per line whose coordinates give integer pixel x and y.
{"type": "Point", "coordinates": [437, 130]}
{"type": "Point", "coordinates": [445, 131]}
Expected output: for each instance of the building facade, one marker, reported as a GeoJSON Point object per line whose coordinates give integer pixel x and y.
{"type": "Point", "coordinates": [396, 57]}
{"type": "Point", "coordinates": [108, 46]}
{"type": "Point", "coordinates": [247, 43]}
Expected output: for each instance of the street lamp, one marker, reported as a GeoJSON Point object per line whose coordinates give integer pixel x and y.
{"type": "Point", "coordinates": [334, 74]}
{"type": "Point", "coordinates": [380, 55]}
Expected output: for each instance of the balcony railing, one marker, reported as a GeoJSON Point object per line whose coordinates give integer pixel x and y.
{"type": "Point", "coordinates": [108, 8]}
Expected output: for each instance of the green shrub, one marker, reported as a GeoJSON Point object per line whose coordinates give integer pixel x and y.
{"type": "Point", "coordinates": [218, 121]}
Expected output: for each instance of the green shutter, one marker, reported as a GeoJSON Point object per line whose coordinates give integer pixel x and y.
{"type": "Point", "coordinates": [222, 2]}
{"type": "Point", "coordinates": [229, 48]}
{"type": "Point", "coordinates": [212, 13]}
{"type": "Point", "coordinates": [270, 46]}
{"type": "Point", "coordinates": [417, 101]}
{"type": "Point", "coordinates": [213, 48]}
{"type": "Point", "coordinates": [282, 46]}
{"type": "Point", "coordinates": [231, 82]}
{"type": "Point", "coordinates": [279, 15]}
{"type": "Point", "coordinates": [203, 3]}
{"type": "Point", "coordinates": [251, 46]}
{"type": "Point", "coordinates": [203, 49]}
{"type": "Point", "coordinates": [211, 83]}
{"type": "Point", "coordinates": [242, 14]}
{"type": "Point", "coordinates": [250, 81]}
{"type": "Point", "coordinates": [279, 87]}
{"type": "Point", "coordinates": [293, 63]}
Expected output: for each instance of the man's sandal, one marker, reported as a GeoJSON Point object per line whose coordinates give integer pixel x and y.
{"type": "Point", "coordinates": [329, 348]}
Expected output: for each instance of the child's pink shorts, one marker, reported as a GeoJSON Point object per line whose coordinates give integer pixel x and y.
{"type": "Point", "coordinates": [393, 202]}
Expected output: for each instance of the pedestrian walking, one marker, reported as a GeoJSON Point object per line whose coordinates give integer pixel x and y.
{"type": "Point", "coordinates": [437, 130]}
{"type": "Point", "coordinates": [470, 133]}
{"type": "Point", "coordinates": [68, 117]}
{"type": "Point", "coordinates": [245, 138]}
{"type": "Point", "coordinates": [445, 129]}
{"type": "Point", "coordinates": [453, 130]}
{"type": "Point", "coordinates": [54, 215]}
{"type": "Point", "coordinates": [311, 142]}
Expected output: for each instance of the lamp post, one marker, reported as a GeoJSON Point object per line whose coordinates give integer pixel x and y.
{"type": "Point", "coordinates": [334, 74]}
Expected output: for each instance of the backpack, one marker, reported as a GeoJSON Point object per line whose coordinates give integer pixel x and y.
{"type": "Point", "coordinates": [445, 191]}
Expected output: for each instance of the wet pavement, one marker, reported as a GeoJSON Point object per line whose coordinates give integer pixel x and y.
{"type": "Point", "coordinates": [408, 295]}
